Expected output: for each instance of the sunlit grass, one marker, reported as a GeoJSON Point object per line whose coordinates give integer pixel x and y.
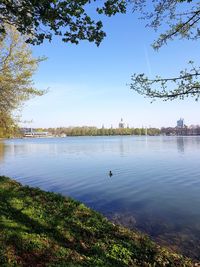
{"type": "Point", "coordinates": [40, 228]}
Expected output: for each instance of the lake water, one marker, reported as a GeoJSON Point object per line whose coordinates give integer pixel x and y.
{"type": "Point", "coordinates": [155, 185]}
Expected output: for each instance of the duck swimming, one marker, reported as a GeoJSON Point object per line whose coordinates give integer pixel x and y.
{"type": "Point", "coordinates": [110, 173]}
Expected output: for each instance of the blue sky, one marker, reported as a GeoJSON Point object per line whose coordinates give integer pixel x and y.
{"type": "Point", "coordinates": [87, 84]}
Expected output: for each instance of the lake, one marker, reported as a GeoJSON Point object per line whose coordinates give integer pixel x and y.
{"type": "Point", "coordinates": [155, 186]}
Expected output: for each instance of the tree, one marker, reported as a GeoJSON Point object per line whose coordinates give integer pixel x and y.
{"type": "Point", "coordinates": [17, 67]}
{"type": "Point", "coordinates": [186, 84]}
{"type": "Point", "coordinates": [39, 20]}
{"type": "Point", "coordinates": [8, 127]}
{"type": "Point", "coordinates": [183, 20]}
{"type": "Point", "coordinates": [71, 20]}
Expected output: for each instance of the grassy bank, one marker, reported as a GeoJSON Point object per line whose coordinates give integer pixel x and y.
{"type": "Point", "coordinates": [39, 228]}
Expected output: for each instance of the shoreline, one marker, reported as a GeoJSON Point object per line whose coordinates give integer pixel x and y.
{"type": "Point", "coordinates": [41, 228]}
{"type": "Point", "coordinates": [93, 136]}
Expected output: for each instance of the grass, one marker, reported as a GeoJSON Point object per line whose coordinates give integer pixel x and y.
{"type": "Point", "coordinates": [40, 228]}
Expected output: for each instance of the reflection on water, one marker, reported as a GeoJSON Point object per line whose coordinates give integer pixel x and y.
{"type": "Point", "coordinates": [2, 151]}
{"type": "Point", "coordinates": [180, 144]}
{"type": "Point", "coordinates": [155, 186]}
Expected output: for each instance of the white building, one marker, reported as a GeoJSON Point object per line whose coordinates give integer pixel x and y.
{"type": "Point", "coordinates": [121, 124]}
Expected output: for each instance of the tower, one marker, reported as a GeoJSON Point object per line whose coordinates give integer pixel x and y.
{"type": "Point", "coordinates": [121, 124]}
{"type": "Point", "coordinates": [180, 123]}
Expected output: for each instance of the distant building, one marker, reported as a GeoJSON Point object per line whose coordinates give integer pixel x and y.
{"type": "Point", "coordinates": [121, 124]}
{"type": "Point", "coordinates": [36, 134]}
{"type": "Point", "coordinates": [180, 123]}
{"type": "Point", "coordinates": [30, 132]}
{"type": "Point", "coordinates": [63, 135]}
{"type": "Point", "coordinates": [26, 130]}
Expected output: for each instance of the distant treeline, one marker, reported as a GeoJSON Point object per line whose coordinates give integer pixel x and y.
{"type": "Point", "coordinates": [93, 131]}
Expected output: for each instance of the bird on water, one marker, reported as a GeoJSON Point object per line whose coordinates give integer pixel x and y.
{"type": "Point", "coordinates": [110, 173]}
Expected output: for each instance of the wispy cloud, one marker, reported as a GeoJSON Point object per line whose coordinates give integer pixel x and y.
{"type": "Point", "coordinates": [149, 68]}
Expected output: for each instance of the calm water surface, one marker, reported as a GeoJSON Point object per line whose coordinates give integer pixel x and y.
{"type": "Point", "coordinates": [155, 185]}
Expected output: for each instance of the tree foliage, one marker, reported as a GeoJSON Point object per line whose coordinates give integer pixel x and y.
{"type": "Point", "coordinates": [182, 18]}
{"type": "Point", "coordinates": [94, 131]}
{"type": "Point", "coordinates": [17, 67]}
{"type": "Point", "coordinates": [69, 19]}
{"type": "Point", "coordinates": [185, 85]}
{"type": "Point", "coordinates": [72, 21]}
